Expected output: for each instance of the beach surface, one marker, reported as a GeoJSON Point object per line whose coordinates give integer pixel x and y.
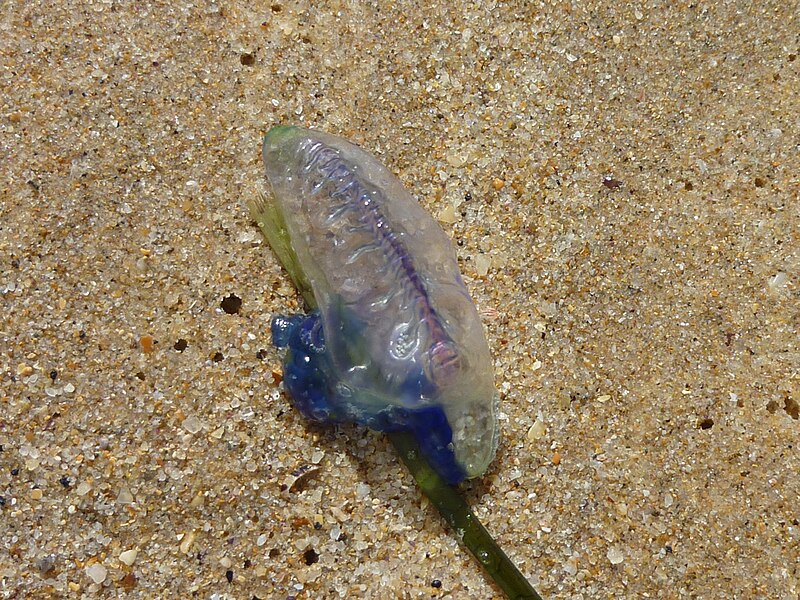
{"type": "Point", "coordinates": [621, 187]}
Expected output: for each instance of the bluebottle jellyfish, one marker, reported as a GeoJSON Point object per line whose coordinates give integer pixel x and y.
{"type": "Point", "coordinates": [396, 343]}
{"type": "Point", "coordinates": [393, 340]}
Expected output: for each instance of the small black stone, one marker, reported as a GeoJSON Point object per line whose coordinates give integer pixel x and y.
{"type": "Point", "coordinates": [231, 304]}
{"type": "Point", "coordinates": [229, 576]}
{"type": "Point", "coordinates": [218, 357]}
{"type": "Point", "coordinates": [436, 584]}
{"type": "Point", "coordinates": [15, 471]}
{"type": "Point", "coordinates": [181, 345]}
{"type": "Point", "coordinates": [53, 375]}
{"type": "Point", "coordinates": [310, 556]}
{"type": "Point", "coordinates": [65, 482]}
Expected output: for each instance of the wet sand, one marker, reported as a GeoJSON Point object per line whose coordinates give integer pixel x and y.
{"type": "Point", "coordinates": [621, 186]}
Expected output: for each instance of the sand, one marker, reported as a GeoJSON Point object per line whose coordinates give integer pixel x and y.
{"type": "Point", "coordinates": [621, 186]}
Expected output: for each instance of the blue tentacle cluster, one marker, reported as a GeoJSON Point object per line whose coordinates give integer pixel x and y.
{"type": "Point", "coordinates": [304, 374]}
{"type": "Point", "coordinates": [311, 383]}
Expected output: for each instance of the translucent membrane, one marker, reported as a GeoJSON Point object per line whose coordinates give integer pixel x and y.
{"type": "Point", "coordinates": [395, 343]}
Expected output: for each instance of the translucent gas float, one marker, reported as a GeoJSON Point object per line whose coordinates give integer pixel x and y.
{"type": "Point", "coordinates": [396, 343]}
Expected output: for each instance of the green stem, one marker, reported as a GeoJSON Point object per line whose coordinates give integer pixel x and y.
{"type": "Point", "coordinates": [457, 513]}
